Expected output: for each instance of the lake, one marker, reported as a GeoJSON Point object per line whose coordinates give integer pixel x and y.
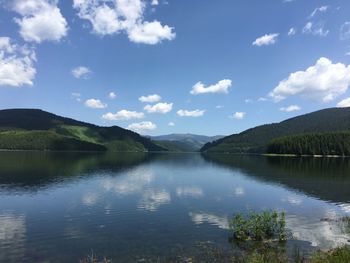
{"type": "Point", "coordinates": [62, 207]}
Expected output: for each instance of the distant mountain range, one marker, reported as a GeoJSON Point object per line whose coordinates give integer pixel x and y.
{"type": "Point", "coordinates": [256, 140]}
{"type": "Point", "coordinates": [184, 142]}
{"type": "Point", "coordinates": [33, 129]}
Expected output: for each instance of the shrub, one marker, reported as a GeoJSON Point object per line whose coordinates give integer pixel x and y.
{"type": "Point", "coordinates": [264, 226]}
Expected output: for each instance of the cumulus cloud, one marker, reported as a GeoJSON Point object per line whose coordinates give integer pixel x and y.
{"type": "Point", "coordinates": [16, 64]}
{"type": "Point", "coordinates": [189, 192]}
{"type": "Point", "coordinates": [159, 108]}
{"type": "Point", "coordinates": [345, 31]}
{"type": "Point", "coordinates": [133, 182]}
{"type": "Point", "coordinates": [344, 103]}
{"type": "Point", "coordinates": [171, 124]}
{"type": "Point", "coordinates": [142, 126]}
{"type": "Point", "coordinates": [155, 2]}
{"type": "Point", "coordinates": [201, 218]}
{"type": "Point", "coordinates": [290, 108]}
{"type": "Point", "coordinates": [221, 87]}
{"type": "Point", "coordinates": [109, 17]}
{"type": "Point", "coordinates": [95, 104]}
{"type": "Point", "coordinates": [238, 115]}
{"type": "Point", "coordinates": [315, 29]}
{"type": "Point", "coordinates": [292, 31]}
{"type": "Point", "coordinates": [81, 72]}
{"type": "Point", "coordinates": [268, 39]}
{"type": "Point", "coordinates": [239, 191]}
{"type": "Point", "coordinates": [112, 95]}
{"type": "Point", "coordinates": [151, 33]}
{"type": "Point", "coordinates": [194, 113]}
{"type": "Point", "coordinates": [320, 9]}
{"type": "Point", "coordinates": [150, 98]}
{"type": "Point", "coordinates": [41, 20]}
{"type": "Point", "coordinates": [123, 115]}
{"type": "Point", "coordinates": [152, 199]}
{"type": "Point", "coordinates": [322, 82]}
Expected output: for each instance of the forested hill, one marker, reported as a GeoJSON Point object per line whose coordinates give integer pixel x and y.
{"type": "Point", "coordinates": [255, 140]}
{"type": "Point", "coordinates": [33, 129]}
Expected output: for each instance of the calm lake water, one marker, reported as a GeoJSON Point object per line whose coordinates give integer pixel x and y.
{"type": "Point", "coordinates": [62, 207]}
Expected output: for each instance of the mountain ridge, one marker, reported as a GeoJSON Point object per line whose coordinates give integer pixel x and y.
{"type": "Point", "coordinates": [184, 142]}
{"type": "Point", "coordinates": [255, 140]}
{"type": "Point", "coordinates": [36, 129]}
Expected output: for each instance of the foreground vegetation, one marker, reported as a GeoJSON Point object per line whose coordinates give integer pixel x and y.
{"type": "Point", "coordinates": [337, 143]}
{"type": "Point", "coordinates": [259, 238]}
{"type": "Point", "coordinates": [264, 226]}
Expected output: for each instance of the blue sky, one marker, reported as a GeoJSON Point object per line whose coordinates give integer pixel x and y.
{"type": "Point", "coordinates": [218, 67]}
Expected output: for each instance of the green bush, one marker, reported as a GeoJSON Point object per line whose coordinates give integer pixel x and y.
{"type": "Point", "coordinates": [267, 225]}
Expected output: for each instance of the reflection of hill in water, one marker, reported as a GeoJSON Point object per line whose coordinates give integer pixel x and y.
{"type": "Point", "coordinates": [29, 171]}
{"type": "Point", "coordinates": [324, 178]}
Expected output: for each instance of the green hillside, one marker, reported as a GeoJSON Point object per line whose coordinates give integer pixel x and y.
{"type": "Point", "coordinates": [32, 129]}
{"type": "Point", "coordinates": [255, 140]}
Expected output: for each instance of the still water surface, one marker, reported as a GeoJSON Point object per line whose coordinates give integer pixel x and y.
{"type": "Point", "coordinates": [61, 207]}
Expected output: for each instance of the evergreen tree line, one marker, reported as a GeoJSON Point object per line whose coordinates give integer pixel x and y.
{"type": "Point", "coordinates": [335, 143]}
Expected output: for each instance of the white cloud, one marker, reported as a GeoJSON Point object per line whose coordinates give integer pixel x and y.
{"type": "Point", "coordinates": [248, 101]}
{"type": "Point", "coordinates": [90, 199]}
{"type": "Point", "coordinates": [159, 108]}
{"type": "Point", "coordinates": [320, 9]}
{"type": "Point", "coordinates": [323, 82]}
{"type": "Point", "coordinates": [219, 106]}
{"type": "Point", "coordinates": [41, 20]}
{"type": "Point", "coordinates": [133, 182]}
{"type": "Point", "coordinates": [152, 199]}
{"type": "Point", "coordinates": [194, 113]}
{"type": "Point", "coordinates": [112, 95]}
{"type": "Point", "coordinates": [290, 108]}
{"type": "Point", "coordinates": [345, 31]}
{"type": "Point", "coordinates": [150, 98]}
{"type": "Point", "coordinates": [221, 87]}
{"type": "Point", "coordinates": [238, 115]}
{"type": "Point", "coordinates": [155, 2]}
{"type": "Point", "coordinates": [95, 104]}
{"type": "Point", "coordinates": [268, 39]}
{"type": "Point", "coordinates": [81, 72]}
{"type": "Point", "coordinates": [262, 99]}
{"type": "Point", "coordinates": [315, 29]}
{"type": "Point", "coordinates": [239, 191]}
{"type": "Point", "coordinates": [292, 31]}
{"type": "Point", "coordinates": [16, 64]}
{"type": "Point", "coordinates": [142, 126]}
{"type": "Point", "coordinates": [344, 103]}
{"type": "Point", "coordinates": [109, 17]}
{"type": "Point", "coordinates": [189, 192]}
{"type": "Point", "coordinates": [13, 233]}
{"type": "Point", "coordinates": [171, 124]}
{"type": "Point", "coordinates": [347, 53]}
{"type": "Point", "coordinates": [201, 218]}
{"type": "Point", "coordinates": [123, 115]}
{"type": "Point", "coordinates": [151, 33]}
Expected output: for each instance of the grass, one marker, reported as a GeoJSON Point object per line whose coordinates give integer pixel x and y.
{"type": "Point", "coordinates": [338, 255]}
{"type": "Point", "coordinates": [264, 226]}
